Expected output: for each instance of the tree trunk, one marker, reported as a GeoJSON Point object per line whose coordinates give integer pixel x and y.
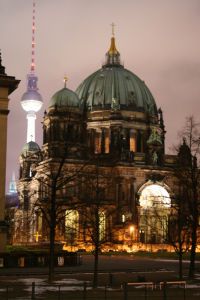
{"type": "Point", "coordinates": [51, 254]}
{"type": "Point", "coordinates": [180, 265]}
{"type": "Point", "coordinates": [195, 214]}
{"type": "Point", "coordinates": [96, 250]}
{"type": "Point", "coordinates": [193, 253]}
{"type": "Point", "coordinates": [96, 263]}
{"type": "Point", "coordinates": [52, 235]}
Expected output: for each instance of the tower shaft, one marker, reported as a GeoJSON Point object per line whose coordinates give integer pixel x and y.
{"type": "Point", "coordinates": [31, 117]}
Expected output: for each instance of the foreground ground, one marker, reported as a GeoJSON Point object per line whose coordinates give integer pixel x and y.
{"type": "Point", "coordinates": [114, 271]}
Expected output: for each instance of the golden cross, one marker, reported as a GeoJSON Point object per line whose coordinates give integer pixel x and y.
{"type": "Point", "coordinates": [37, 236]}
{"type": "Point", "coordinates": [113, 28]}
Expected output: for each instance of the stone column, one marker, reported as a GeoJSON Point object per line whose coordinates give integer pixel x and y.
{"type": "Point", "coordinates": [7, 85]}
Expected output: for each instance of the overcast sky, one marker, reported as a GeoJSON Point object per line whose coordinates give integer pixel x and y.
{"type": "Point", "coordinates": [159, 40]}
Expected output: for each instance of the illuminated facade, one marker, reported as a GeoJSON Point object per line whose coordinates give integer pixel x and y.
{"type": "Point", "coordinates": [113, 116]}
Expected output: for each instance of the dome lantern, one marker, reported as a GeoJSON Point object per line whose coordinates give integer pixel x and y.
{"type": "Point", "coordinates": [112, 56]}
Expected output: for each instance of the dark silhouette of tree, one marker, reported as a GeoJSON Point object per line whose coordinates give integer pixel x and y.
{"type": "Point", "coordinates": [179, 233]}
{"type": "Point", "coordinates": [56, 180]}
{"type": "Point", "coordinates": [53, 175]}
{"type": "Point", "coordinates": [188, 178]}
{"type": "Point", "coordinates": [97, 208]}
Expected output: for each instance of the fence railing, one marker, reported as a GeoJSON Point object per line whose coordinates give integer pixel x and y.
{"type": "Point", "coordinates": [175, 290]}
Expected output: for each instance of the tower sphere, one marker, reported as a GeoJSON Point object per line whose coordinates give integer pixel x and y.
{"type": "Point", "coordinates": [31, 100]}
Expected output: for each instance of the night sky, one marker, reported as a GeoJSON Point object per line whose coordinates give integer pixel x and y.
{"type": "Point", "coordinates": [158, 40]}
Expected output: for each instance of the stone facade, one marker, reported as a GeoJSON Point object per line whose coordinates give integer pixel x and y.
{"type": "Point", "coordinates": [105, 148]}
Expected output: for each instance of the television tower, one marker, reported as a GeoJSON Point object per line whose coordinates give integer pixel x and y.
{"type": "Point", "coordinates": [31, 100]}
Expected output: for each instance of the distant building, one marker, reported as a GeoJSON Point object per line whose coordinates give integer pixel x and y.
{"type": "Point", "coordinates": [12, 195]}
{"type": "Point", "coordinates": [113, 115]}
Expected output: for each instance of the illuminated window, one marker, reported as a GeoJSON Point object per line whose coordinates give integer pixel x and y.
{"type": "Point", "coordinates": [107, 142]}
{"type": "Point", "coordinates": [155, 206]}
{"type": "Point", "coordinates": [155, 196]}
{"type": "Point", "coordinates": [132, 141]}
{"type": "Point", "coordinates": [71, 225]}
{"type": "Point", "coordinates": [97, 143]}
{"type": "Point", "coordinates": [40, 223]}
{"type": "Point", "coordinates": [123, 218]}
{"type": "Point", "coordinates": [102, 226]}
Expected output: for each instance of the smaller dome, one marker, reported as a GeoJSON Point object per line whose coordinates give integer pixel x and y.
{"type": "Point", "coordinates": [31, 147]}
{"type": "Point", "coordinates": [64, 97]}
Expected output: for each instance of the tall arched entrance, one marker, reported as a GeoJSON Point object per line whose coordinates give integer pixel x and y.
{"type": "Point", "coordinates": [154, 208]}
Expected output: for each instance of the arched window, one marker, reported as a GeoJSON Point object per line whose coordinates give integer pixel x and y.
{"type": "Point", "coordinates": [155, 206]}
{"type": "Point", "coordinates": [154, 195]}
{"type": "Point", "coordinates": [97, 143]}
{"type": "Point", "coordinates": [71, 225]}
{"type": "Point", "coordinates": [132, 141]}
{"type": "Point", "coordinates": [102, 226]}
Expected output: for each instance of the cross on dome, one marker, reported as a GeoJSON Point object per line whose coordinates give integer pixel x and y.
{"type": "Point", "coordinates": [113, 28]}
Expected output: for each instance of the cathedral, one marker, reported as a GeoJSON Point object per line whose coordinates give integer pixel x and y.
{"type": "Point", "coordinates": [102, 164]}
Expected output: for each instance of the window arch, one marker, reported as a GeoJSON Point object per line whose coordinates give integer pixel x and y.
{"type": "Point", "coordinates": [154, 195]}
{"type": "Point", "coordinates": [155, 204]}
{"type": "Point", "coordinates": [102, 226]}
{"type": "Point", "coordinates": [71, 225]}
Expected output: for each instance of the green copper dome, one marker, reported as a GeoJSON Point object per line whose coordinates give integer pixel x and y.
{"type": "Point", "coordinates": [114, 87]}
{"type": "Point", "coordinates": [31, 147]}
{"type": "Point", "coordinates": [64, 97]}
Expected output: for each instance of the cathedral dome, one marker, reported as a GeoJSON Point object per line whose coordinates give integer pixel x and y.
{"type": "Point", "coordinates": [113, 87]}
{"type": "Point", "coordinates": [31, 147]}
{"type": "Point", "coordinates": [65, 97]}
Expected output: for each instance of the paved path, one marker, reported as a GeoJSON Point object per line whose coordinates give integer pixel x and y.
{"type": "Point", "coordinates": [108, 264]}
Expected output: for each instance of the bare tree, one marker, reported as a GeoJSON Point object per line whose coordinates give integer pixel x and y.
{"type": "Point", "coordinates": [188, 176]}
{"type": "Point", "coordinates": [55, 179]}
{"type": "Point", "coordinates": [97, 208]}
{"type": "Point", "coordinates": [179, 233]}
{"type": "Point", "coordinates": [50, 175]}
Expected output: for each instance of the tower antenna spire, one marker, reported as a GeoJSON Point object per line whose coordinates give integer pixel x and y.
{"type": "Point", "coordinates": [31, 100]}
{"type": "Point", "coordinates": [33, 38]}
